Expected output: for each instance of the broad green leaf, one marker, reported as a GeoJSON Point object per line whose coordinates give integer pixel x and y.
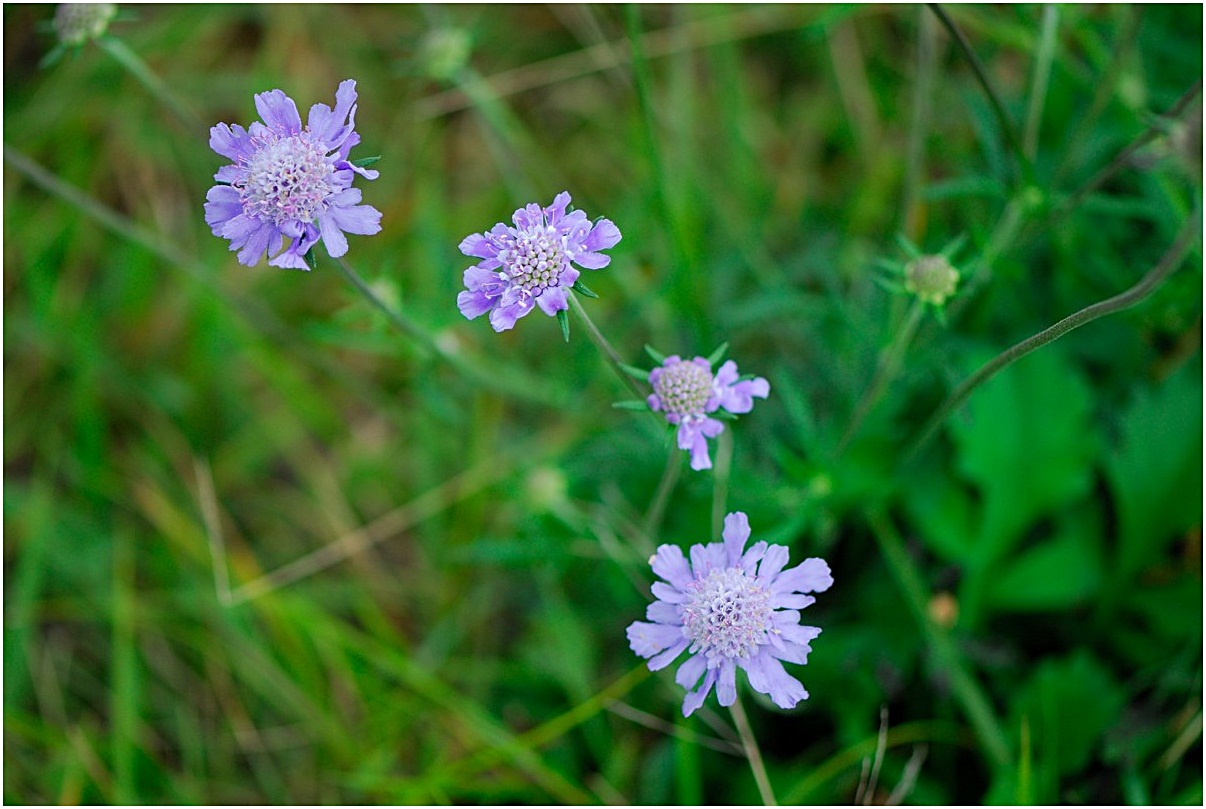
{"type": "Point", "coordinates": [1026, 441]}
{"type": "Point", "coordinates": [1057, 574]}
{"type": "Point", "coordinates": [1156, 471]}
{"type": "Point", "coordinates": [1069, 703]}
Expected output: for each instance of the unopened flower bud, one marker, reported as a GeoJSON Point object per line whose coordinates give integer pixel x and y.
{"type": "Point", "coordinates": [931, 278]}
{"type": "Point", "coordinates": [76, 23]}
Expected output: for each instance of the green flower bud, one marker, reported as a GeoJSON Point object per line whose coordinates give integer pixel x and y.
{"type": "Point", "coordinates": [931, 278]}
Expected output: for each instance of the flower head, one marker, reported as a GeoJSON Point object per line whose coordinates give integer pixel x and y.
{"type": "Point", "coordinates": [730, 608]}
{"type": "Point", "coordinates": [687, 391]}
{"type": "Point", "coordinates": [531, 264]}
{"type": "Point", "coordinates": [291, 181]}
{"type": "Point", "coordinates": [76, 23]}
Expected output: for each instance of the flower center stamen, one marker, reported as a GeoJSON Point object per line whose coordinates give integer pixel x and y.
{"type": "Point", "coordinates": [727, 613]}
{"type": "Point", "coordinates": [535, 260]}
{"type": "Point", "coordinates": [288, 180]}
{"type": "Point", "coordinates": [684, 388]}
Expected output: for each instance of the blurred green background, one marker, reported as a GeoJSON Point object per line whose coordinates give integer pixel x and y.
{"type": "Point", "coordinates": [1022, 600]}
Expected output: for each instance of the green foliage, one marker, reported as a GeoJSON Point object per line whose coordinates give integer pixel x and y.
{"type": "Point", "coordinates": [268, 542]}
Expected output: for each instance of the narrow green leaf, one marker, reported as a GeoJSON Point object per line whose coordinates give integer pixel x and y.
{"type": "Point", "coordinates": [563, 320]}
{"type": "Point", "coordinates": [717, 355]}
{"type": "Point", "coordinates": [365, 161]}
{"type": "Point", "coordinates": [657, 356]}
{"type": "Point", "coordinates": [634, 372]}
{"type": "Point", "coordinates": [630, 404]}
{"type": "Point", "coordinates": [582, 289]}
{"type": "Point", "coordinates": [311, 259]}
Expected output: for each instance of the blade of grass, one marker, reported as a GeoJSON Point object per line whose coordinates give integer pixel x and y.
{"type": "Point", "coordinates": [1042, 75]}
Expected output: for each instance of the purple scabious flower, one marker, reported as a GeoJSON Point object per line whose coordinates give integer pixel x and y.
{"type": "Point", "coordinates": [686, 391]}
{"type": "Point", "coordinates": [287, 180]}
{"type": "Point", "coordinates": [529, 265]}
{"type": "Point", "coordinates": [730, 608]}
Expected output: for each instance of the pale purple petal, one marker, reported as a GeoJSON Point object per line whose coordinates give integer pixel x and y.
{"type": "Point", "coordinates": [668, 593]}
{"type": "Point", "coordinates": [690, 671]}
{"type": "Point", "coordinates": [792, 602]}
{"type": "Point", "coordinates": [648, 639]}
{"type": "Point", "coordinates": [552, 301]}
{"type": "Point", "coordinates": [726, 686]}
{"type": "Point", "coordinates": [230, 141]}
{"type": "Point", "coordinates": [667, 657]}
{"type": "Point", "coordinates": [332, 236]}
{"type": "Point", "coordinates": [363, 220]}
{"type": "Point", "coordinates": [736, 533]}
{"type": "Point", "coordinates": [767, 676]}
{"type": "Point", "coordinates": [279, 112]}
{"type": "Point", "coordinates": [478, 246]}
{"type": "Point", "coordinates": [602, 236]}
{"type": "Point", "coordinates": [776, 559]}
{"type": "Point", "coordinates": [696, 698]}
{"type": "Point", "coordinates": [592, 261]}
{"type": "Point", "coordinates": [810, 576]}
{"type": "Point", "coordinates": [671, 565]}
{"type": "Point", "coordinates": [255, 245]}
{"type": "Point", "coordinates": [473, 304]}
{"type": "Point", "coordinates": [661, 612]}
{"type": "Point", "coordinates": [223, 204]}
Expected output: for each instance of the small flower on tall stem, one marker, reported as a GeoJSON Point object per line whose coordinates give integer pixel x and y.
{"type": "Point", "coordinates": [531, 264]}
{"type": "Point", "coordinates": [290, 181]}
{"type": "Point", "coordinates": [730, 608]}
{"type": "Point", "coordinates": [688, 392]}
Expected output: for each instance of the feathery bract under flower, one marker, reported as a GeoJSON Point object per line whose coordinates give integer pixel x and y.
{"type": "Point", "coordinates": [730, 608]}
{"type": "Point", "coordinates": [529, 265]}
{"type": "Point", "coordinates": [686, 391]}
{"type": "Point", "coordinates": [291, 181]}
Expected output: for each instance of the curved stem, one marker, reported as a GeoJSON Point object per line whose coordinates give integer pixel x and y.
{"type": "Point", "coordinates": [1125, 155]}
{"type": "Point", "coordinates": [514, 383]}
{"type": "Point", "coordinates": [137, 68]}
{"type": "Point", "coordinates": [1146, 286]}
{"type": "Point", "coordinates": [609, 353]}
{"type": "Point", "coordinates": [750, 745]}
{"type": "Point", "coordinates": [657, 508]}
{"type": "Point", "coordinates": [981, 76]}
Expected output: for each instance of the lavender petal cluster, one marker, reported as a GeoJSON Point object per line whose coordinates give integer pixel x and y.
{"type": "Point", "coordinates": [687, 391]}
{"type": "Point", "coordinates": [531, 264]}
{"type": "Point", "coordinates": [730, 609]}
{"type": "Point", "coordinates": [290, 181]}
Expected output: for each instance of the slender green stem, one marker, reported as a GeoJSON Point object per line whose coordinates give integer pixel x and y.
{"type": "Point", "coordinates": [513, 382]}
{"type": "Point", "coordinates": [670, 475]}
{"type": "Point", "coordinates": [982, 76]}
{"type": "Point", "coordinates": [1042, 74]}
{"type": "Point", "coordinates": [137, 68]}
{"type": "Point", "coordinates": [890, 360]}
{"type": "Point", "coordinates": [609, 353]}
{"type": "Point", "coordinates": [721, 473]}
{"type": "Point", "coordinates": [750, 745]}
{"type": "Point", "coordinates": [1146, 286]}
{"type": "Point", "coordinates": [966, 688]}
